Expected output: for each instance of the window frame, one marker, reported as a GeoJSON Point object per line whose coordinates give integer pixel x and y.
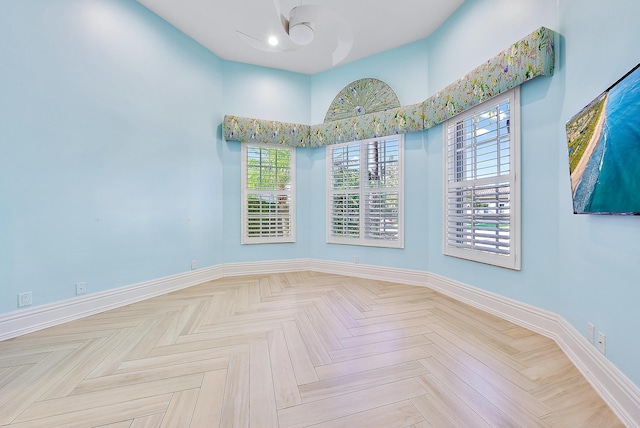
{"type": "Point", "coordinates": [512, 260]}
{"type": "Point", "coordinates": [362, 191]}
{"type": "Point", "coordinates": [269, 193]}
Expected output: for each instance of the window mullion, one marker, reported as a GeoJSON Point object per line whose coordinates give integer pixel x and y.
{"type": "Point", "coordinates": [377, 164]}
{"type": "Point", "coordinates": [481, 208]}
{"type": "Point", "coordinates": [364, 185]}
{"type": "Point", "coordinates": [268, 194]}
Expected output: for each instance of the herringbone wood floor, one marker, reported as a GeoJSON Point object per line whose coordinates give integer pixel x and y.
{"type": "Point", "coordinates": [293, 350]}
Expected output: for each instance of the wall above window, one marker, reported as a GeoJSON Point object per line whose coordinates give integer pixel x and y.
{"type": "Point", "coordinates": [524, 60]}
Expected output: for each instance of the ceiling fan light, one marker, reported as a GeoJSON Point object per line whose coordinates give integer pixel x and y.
{"type": "Point", "coordinates": [301, 33]}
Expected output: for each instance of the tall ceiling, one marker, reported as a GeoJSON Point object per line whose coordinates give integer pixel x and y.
{"type": "Point", "coordinates": [375, 26]}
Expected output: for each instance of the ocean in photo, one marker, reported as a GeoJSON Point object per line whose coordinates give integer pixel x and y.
{"type": "Point", "coordinates": [611, 180]}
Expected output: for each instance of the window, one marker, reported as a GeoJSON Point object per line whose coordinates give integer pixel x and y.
{"type": "Point", "coordinates": [364, 185]}
{"type": "Point", "coordinates": [481, 195]}
{"type": "Point", "coordinates": [268, 194]}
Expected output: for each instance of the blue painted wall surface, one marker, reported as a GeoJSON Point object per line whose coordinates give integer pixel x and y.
{"type": "Point", "coordinates": [264, 93]}
{"type": "Point", "coordinates": [112, 170]}
{"type": "Point", "coordinates": [403, 69]}
{"type": "Point", "coordinates": [584, 268]}
{"type": "Point", "coordinates": [108, 160]}
{"type": "Point", "coordinates": [599, 256]}
{"type": "Point", "coordinates": [233, 250]}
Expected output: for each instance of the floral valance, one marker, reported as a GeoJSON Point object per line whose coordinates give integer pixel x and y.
{"type": "Point", "coordinates": [530, 57]}
{"type": "Point", "coordinates": [247, 130]}
{"type": "Point", "coordinates": [400, 120]}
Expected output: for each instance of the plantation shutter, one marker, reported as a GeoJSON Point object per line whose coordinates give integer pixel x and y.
{"type": "Point", "coordinates": [365, 192]}
{"type": "Point", "coordinates": [268, 192]}
{"type": "Point", "coordinates": [382, 194]}
{"type": "Point", "coordinates": [480, 184]}
{"type": "Point", "coordinates": [344, 215]}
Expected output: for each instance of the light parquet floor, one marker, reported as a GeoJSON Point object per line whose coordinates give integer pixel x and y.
{"type": "Point", "coordinates": [293, 350]}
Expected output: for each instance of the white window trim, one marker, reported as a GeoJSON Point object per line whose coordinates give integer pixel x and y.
{"type": "Point", "coordinates": [362, 240]}
{"type": "Point", "coordinates": [513, 259]}
{"type": "Point", "coordinates": [245, 238]}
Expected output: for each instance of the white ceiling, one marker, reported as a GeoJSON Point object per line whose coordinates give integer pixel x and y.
{"type": "Point", "coordinates": [377, 25]}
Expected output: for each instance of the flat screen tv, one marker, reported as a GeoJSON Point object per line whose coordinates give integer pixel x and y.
{"type": "Point", "coordinates": [604, 150]}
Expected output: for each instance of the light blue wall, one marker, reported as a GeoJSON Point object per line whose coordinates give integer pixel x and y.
{"type": "Point", "coordinates": [233, 250]}
{"type": "Point", "coordinates": [264, 93]}
{"type": "Point", "coordinates": [584, 268]}
{"type": "Point", "coordinates": [112, 169]}
{"type": "Point", "coordinates": [403, 69]}
{"type": "Point", "coordinates": [108, 164]}
{"type": "Point", "coordinates": [599, 256]}
{"type": "Point", "coordinates": [480, 29]}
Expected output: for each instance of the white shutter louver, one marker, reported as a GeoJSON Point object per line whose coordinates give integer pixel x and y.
{"type": "Point", "coordinates": [268, 191]}
{"type": "Point", "coordinates": [480, 187]}
{"type": "Point", "coordinates": [365, 192]}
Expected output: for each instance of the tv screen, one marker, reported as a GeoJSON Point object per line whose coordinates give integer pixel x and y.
{"type": "Point", "coordinates": [604, 150]}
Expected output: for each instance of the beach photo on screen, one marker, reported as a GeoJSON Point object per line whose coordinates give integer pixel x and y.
{"type": "Point", "coordinates": [604, 150]}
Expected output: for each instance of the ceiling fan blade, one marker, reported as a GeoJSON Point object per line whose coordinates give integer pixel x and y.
{"type": "Point", "coordinates": [345, 43]}
{"type": "Point", "coordinates": [283, 19]}
{"type": "Point", "coordinates": [311, 13]}
{"type": "Point", "coordinates": [333, 22]}
{"type": "Point", "coordinates": [330, 22]}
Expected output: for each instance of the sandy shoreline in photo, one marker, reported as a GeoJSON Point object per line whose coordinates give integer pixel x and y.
{"type": "Point", "coordinates": [576, 174]}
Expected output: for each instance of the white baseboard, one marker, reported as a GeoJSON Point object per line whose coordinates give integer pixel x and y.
{"type": "Point", "coordinates": [28, 320]}
{"type": "Point", "coordinates": [25, 321]}
{"type": "Point", "coordinates": [266, 267]}
{"type": "Point", "coordinates": [617, 390]}
{"type": "Point", "coordinates": [622, 395]}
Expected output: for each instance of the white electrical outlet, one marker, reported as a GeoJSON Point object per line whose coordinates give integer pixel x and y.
{"type": "Point", "coordinates": [24, 299]}
{"type": "Point", "coordinates": [194, 264]}
{"type": "Point", "coordinates": [602, 343]}
{"type": "Point", "coordinates": [81, 288]}
{"type": "Point", "coordinates": [356, 259]}
{"type": "Point", "coordinates": [591, 332]}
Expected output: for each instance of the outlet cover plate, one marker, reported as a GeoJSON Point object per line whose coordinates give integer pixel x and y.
{"type": "Point", "coordinates": [591, 333]}
{"type": "Point", "coordinates": [602, 343]}
{"type": "Point", "coordinates": [81, 288]}
{"type": "Point", "coordinates": [25, 299]}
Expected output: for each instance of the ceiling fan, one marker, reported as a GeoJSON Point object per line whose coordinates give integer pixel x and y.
{"type": "Point", "coordinates": [300, 28]}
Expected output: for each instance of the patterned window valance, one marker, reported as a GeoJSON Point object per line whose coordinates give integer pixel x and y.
{"type": "Point", "coordinates": [399, 120]}
{"type": "Point", "coordinates": [246, 130]}
{"type": "Point", "coordinates": [366, 108]}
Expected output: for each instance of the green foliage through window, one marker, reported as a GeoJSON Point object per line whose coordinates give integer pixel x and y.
{"type": "Point", "coordinates": [268, 209]}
